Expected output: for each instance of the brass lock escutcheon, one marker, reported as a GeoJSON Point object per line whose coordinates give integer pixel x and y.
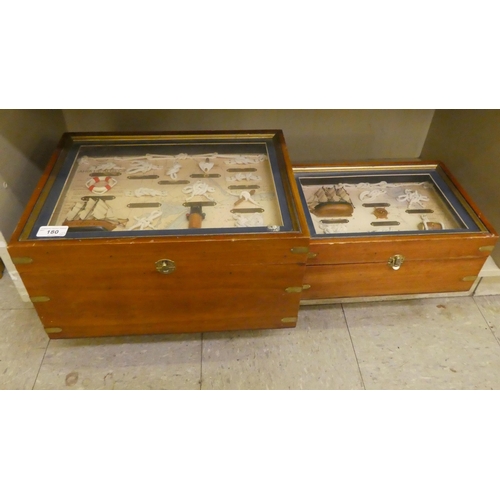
{"type": "Point", "coordinates": [396, 261]}
{"type": "Point", "coordinates": [165, 266]}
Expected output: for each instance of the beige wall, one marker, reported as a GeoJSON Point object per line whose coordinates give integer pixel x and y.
{"type": "Point", "coordinates": [468, 142]}
{"type": "Point", "coordinates": [27, 140]}
{"type": "Point", "coordinates": [311, 135]}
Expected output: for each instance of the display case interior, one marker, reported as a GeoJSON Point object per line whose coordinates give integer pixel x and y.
{"type": "Point", "coordinates": [386, 201]}
{"type": "Point", "coordinates": [173, 185]}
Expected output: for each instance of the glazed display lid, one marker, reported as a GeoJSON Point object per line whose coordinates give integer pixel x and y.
{"type": "Point", "coordinates": [402, 199]}
{"type": "Point", "coordinates": [166, 184]}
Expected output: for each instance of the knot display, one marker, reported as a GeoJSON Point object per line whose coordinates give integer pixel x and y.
{"type": "Point", "coordinates": [199, 188]}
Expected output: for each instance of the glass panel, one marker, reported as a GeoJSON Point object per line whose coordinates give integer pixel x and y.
{"type": "Point", "coordinates": [177, 187]}
{"type": "Point", "coordinates": [378, 203]}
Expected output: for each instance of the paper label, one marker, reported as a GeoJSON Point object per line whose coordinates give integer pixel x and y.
{"type": "Point", "coordinates": [52, 231]}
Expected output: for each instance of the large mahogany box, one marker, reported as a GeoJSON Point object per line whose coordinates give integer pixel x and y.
{"type": "Point", "coordinates": [164, 233]}
{"type": "Point", "coordinates": [390, 229]}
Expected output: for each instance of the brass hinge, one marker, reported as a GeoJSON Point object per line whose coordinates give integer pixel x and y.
{"type": "Point", "coordinates": [291, 319]}
{"type": "Point", "coordinates": [311, 255]}
{"type": "Point", "coordinates": [39, 298]}
{"type": "Point", "coordinates": [22, 260]}
{"type": "Point", "coordinates": [488, 248]}
{"type": "Point", "coordinates": [469, 278]}
{"type": "Point", "coordinates": [297, 289]}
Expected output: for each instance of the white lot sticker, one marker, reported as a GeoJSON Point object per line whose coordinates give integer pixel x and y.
{"type": "Point", "coordinates": [52, 231]}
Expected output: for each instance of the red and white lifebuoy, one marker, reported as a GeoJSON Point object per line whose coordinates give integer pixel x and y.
{"type": "Point", "coordinates": [109, 182]}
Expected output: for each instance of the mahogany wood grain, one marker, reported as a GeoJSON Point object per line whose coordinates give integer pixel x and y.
{"type": "Point", "coordinates": [123, 298]}
{"type": "Point", "coordinates": [111, 286]}
{"type": "Point", "coordinates": [265, 249]}
{"type": "Point", "coordinates": [373, 279]}
{"type": "Point", "coordinates": [338, 250]}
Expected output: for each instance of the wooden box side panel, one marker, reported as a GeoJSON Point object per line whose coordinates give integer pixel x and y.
{"type": "Point", "coordinates": [144, 251]}
{"type": "Point", "coordinates": [375, 279]}
{"type": "Point", "coordinates": [361, 250]}
{"type": "Point", "coordinates": [200, 299]}
{"type": "Point", "coordinates": [115, 289]}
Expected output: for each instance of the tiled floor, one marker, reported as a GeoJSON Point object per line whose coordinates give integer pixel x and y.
{"type": "Point", "coordinates": [437, 343]}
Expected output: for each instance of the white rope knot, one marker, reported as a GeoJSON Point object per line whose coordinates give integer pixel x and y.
{"type": "Point", "coordinates": [141, 167]}
{"type": "Point", "coordinates": [145, 192]}
{"type": "Point", "coordinates": [245, 160]}
{"type": "Point", "coordinates": [199, 188]}
{"type": "Point", "coordinates": [371, 195]}
{"type": "Point", "coordinates": [246, 196]}
{"type": "Point", "coordinates": [332, 228]}
{"type": "Point", "coordinates": [106, 167]}
{"type": "Point", "coordinates": [365, 185]}
{"type": "Point", "coordinates": [413, 197]}
{"type": "Point", "coordinates": [243, 177]}
{"type": "Point", "coordinates": [146, 221]}
{"type": "Point", "coordinates": [254, 220]}
{"type": "Point", "coordinates": [173, 171]}
{"type": "Point", "coordinates": [84, 160]}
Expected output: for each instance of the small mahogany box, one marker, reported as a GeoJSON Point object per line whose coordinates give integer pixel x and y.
{"type": "Point", "coordinates": [382, 229]}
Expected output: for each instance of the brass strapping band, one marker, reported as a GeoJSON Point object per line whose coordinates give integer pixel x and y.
{"type": "Point", "coordinates": [22, 260]}
{"type": "Point", "coordinates": [299, 250]}
{"type": "Point", "coordinates": [40, 298]}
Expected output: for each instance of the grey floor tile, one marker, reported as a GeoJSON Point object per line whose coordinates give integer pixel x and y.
{"type": "Point", "coordinates": [123, 363]}
{"type": "Point", "coordinates": [424, 344]}
{"type": "Point", "coordinates": [317, 354]}
{"type": "Point", "coordinates": [490, 309]}
{"type": "Point", "coordinates": [9, 296]}
{"type": "Point", "coordinates": [22, 346]}
{"type": "Point", "coordinates": [490, 285]}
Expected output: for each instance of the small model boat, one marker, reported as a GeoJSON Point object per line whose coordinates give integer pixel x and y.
{"type": "Point", "coordinates": [331, 202]}
{"type": "Point", "coordinates": [93, 213]}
